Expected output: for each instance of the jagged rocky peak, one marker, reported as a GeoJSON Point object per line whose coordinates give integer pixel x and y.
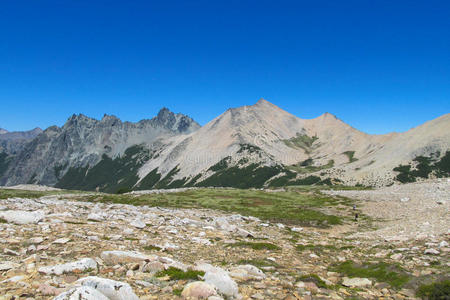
{"type": "Point", "coordinates": [110, 120]}
{"type": "Point", "coordinates": [2, 131]}
{"type": "Point", "coordinates": [175, 122]}
{"type": "Point", "coordinates": [79, 120]}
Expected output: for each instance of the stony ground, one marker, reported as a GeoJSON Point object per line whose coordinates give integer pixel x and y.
{"type": "Point", "coordinates": [56, 245]}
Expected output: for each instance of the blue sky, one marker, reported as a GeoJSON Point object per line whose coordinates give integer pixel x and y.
{"type": "Point", "coordinates": [380, 66]}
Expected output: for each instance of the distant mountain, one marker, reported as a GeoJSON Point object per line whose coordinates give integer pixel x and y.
{"type": "Point", "coordinates": [258, 145]}
{"type": "Point", "coordinates": [13, 142]}
{"type": "Point", "coordinates": [84, 142]}
{"type": "Point", "coordinates": [251, 146]}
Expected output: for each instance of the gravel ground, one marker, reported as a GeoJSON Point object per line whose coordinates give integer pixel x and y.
{"type": "Point", "coordinates": [408, 211]}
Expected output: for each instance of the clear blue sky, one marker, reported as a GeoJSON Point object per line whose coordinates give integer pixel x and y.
{"type": "Point", "coordinates": [378, 65]}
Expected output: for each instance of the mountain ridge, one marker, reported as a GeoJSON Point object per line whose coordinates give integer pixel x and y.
{"type": "Point", "coordinates": [259, 144]}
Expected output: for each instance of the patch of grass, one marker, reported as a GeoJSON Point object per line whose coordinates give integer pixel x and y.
{"type": "Point", "coordinates": [260, 263]}
{"type": "Point", "coordinates": [318, 248]}
{"type": "Point", "coordinates": [177, 274]}
{"type": "Point", "coordinates": [321, 248]}
{"type": "Point", "coordinates": [249, 148]}
{"type": "Point", "coordinates": [297, 206]}
{"type": "Point", "coordinates": [255, 245]}
{"type": "Point", "coordinates": [434, 291]}
{"type": "Point", "coordinates": [307, 167]}
{"type": "Point", "coordinates": [381, 272]}
{"type": "Point", "coordinates": [3, 221]}
{"type": "Point", "coordinates": [11, 193]}
{"type": "Point", "coordinates": [151, 247]}
{"type": "Point", "coordinates": [177, 292]}
{"type": "Point", "coordinates": [350, 155]}
{"type": "Point", "coordinates": [301, 141]}
{"type": "Point", "coordinates": [315, 279]}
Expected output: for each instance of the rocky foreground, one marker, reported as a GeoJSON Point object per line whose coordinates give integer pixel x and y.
{"type": "Point", "coordinates": [53, 248]}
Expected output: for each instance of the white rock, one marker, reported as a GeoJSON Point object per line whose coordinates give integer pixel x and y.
{"type": "Point", "coordinates": [222, 224]}
{"type": "Point", "coordinates": [10, 252]}
{"type": "Point", "coordinates": [247, 272]}
{"type": "Point", "coordinates": [431, 251]}
{"type": "Point", "coordinates": [443, 244]}
{"type": "Point", "coordinates": [138, 224]}
{"type": "Point", "coordinates": [128, 231]}
{"type": "Point", "coordinates": [244, 233]}
{"type": "Point", "coordinates": [96, 217]}
{"type": "Point", "coordinates": [220, 279]}
{"type": "Point", "coordinates": [80, 265]}
{"type": "Point", "coordinates": [397, 256]}
{"type": "Point", "coordinates": [113, 290]}
{"type": "Point", "coordinates": [296, 229]}
{"type": "Point", "coordinates": [356, 282]}
{"type": "Point", "coordinates": [168, 246]}
{"type": "Point", "coordinates": [405, 199]}
{"type": "Point", "coordinates": [14, 279]}
{"type": "Point", "coordinates": [120, 257]}
{"type": "Point", "coordinates": [199, 240]}
{"type": "Point", "coordinates": [61, 241]}
{"type": "Point", "coordinates": [198, 290]}
{"type": "Point", "coordinates": [22, 217]}
{"type": "Point", "coordinates": [81, 293]}
{"type": "Point", "coordinates": [36, 240]}
{"type": "Point", "coordinates": [7, 265]}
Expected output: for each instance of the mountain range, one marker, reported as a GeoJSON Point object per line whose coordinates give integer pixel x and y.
{"type": "Point", "coordinates": [256, 146]}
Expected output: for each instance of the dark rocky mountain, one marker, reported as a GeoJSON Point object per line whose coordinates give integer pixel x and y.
{"type": "Point", "coordinates": [83, 142]}
{"type": "Point", "coordinates": [13, 142]}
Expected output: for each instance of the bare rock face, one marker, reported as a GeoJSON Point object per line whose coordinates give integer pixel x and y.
{"type": "Point", "coordinates": [82, 142]}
